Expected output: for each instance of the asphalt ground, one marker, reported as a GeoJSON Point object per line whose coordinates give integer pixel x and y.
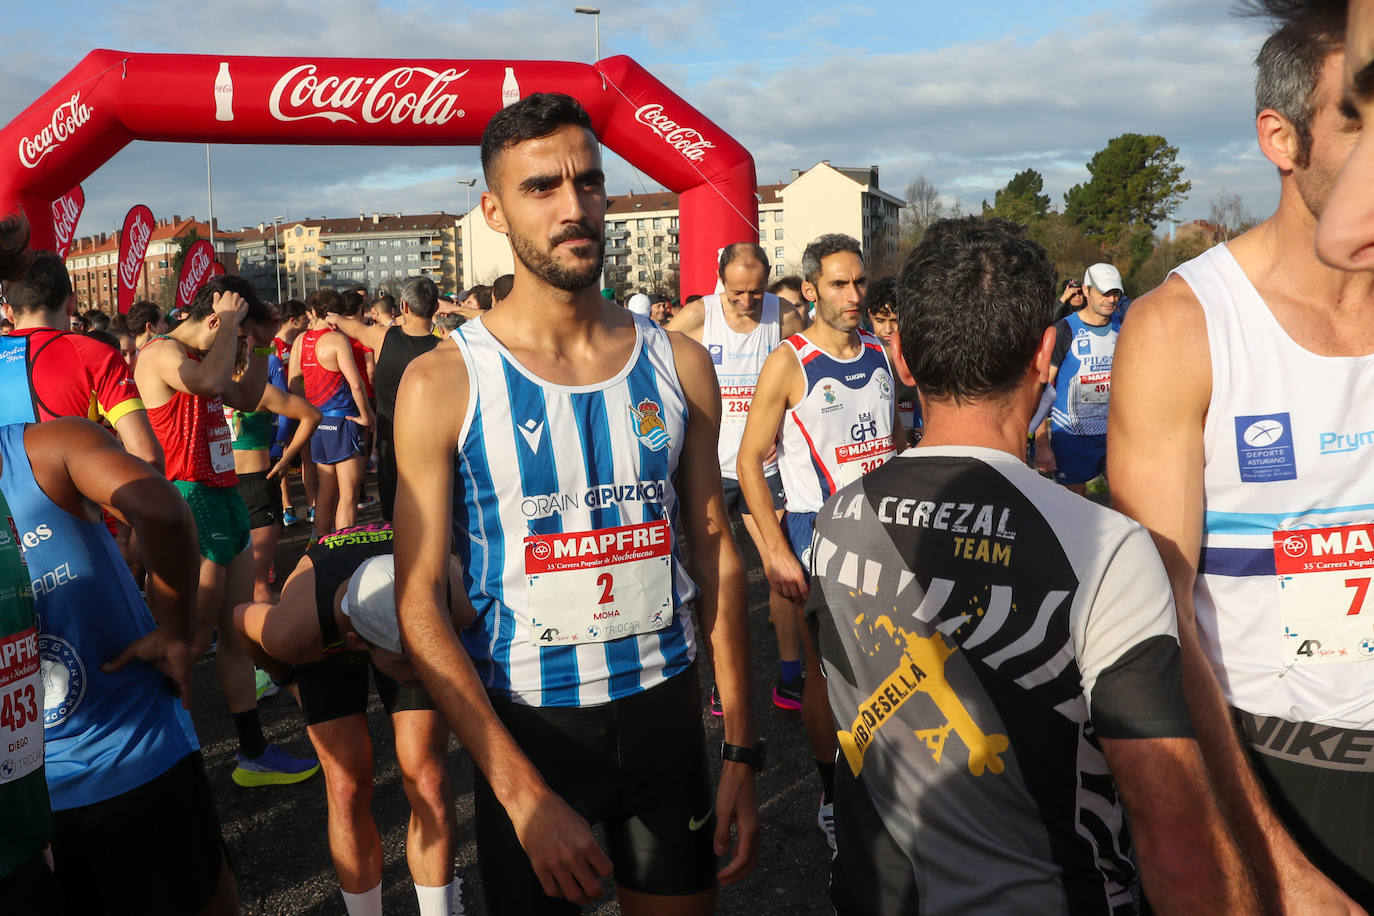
{"type": "Point", "coordinates": [276, 835]}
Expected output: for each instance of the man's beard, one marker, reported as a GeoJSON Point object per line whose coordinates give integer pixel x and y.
{"type": "Point", "coordinates": [544, 266]}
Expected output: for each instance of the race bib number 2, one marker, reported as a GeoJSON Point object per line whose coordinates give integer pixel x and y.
{"type": "Point", "coordinates": [21, 706]}
{"type": "Point", "coordinates": [1324, 577]}
{"type": "Point", "coordinates": [596, 586]}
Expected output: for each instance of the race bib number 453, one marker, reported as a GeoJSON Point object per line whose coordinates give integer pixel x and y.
{"type": "Point", "coordinates": [596, 586]}
{"type": "Point", "coordinates": [21, 706]}
{"type": "Point", "coordinates": [1324, 603]}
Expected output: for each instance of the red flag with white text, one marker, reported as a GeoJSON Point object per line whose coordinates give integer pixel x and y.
{"type": "Point", "coordinates": [196, 269]}
{"type": "Point", "coordinates": [66, 210]}
{"type": "Point", "coordinates": [133, 247]}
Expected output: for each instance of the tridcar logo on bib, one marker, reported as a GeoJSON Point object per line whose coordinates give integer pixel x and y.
{"type": "Point", "coordinates": [1264, 448]}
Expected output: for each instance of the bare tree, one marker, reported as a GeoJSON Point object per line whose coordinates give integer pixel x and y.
{"type": "Point", "coordinates": [923, 207]}
{"type": "Point", "coordinates": [1229, 215]}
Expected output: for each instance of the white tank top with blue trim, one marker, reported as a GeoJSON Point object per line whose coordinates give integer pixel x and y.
{"type": "Point", "coordinates": [842, 426]}
{"type": "Point", "coordinates": [1287, 555]}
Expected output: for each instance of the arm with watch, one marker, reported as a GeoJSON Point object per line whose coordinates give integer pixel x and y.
{"type": "Point", "coordinates": [722, 606]}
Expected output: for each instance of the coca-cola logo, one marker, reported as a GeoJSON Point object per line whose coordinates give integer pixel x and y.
{"type": "Point", "coordinates": [197, 268]}
{"type": "Point", "coordinates": [686, 140]}
{"type": "Point", "coordinates": [66, 210]}
{"type": "Point", "coordinates": [399, 96]}
{"type": "Point", "coordinates": [140, 231]}
{"type": "Point", "coordinates": [66, 118]}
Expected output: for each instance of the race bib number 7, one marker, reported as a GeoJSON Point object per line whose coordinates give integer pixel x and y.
{"type": "Point", "coordinates": [1324, 576]}
{"type": "Point", "coordinates": [596, 586]}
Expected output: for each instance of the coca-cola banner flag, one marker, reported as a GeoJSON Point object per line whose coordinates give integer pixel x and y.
{"type": "Point", "coordinates": [217, 269]}
{"type": "Point", "coordinates": [66, 210]}
{"type": "Point", "coordinates": [88, 116]}
{"type": "Point", "coordinates": [133, 246]}
{"type": "Point", "coordinates": [196, 268]}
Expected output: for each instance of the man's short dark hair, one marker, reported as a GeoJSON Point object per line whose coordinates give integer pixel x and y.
{"type": "Point", "coordinates": [973, 301]}
{"type": "Point", "coordinates": [96, 320]}
{"type": "Point", "coordinates": [203, 303]}
{"type": "Point", "coordinates": [388, 304]}
{"type": "Point", "coordinates": [790, 282]}
{"type": "Point", "coordinates": [351, 303]}
{"type": "Point", "coordinates": [322, 301]}
{"type": "Point", "coordinates": [421, 296]}
{"type": "Point", "coordinates": [45, 286]}
{"type": "Point", "coordinates": [881, 296]}
{"type": "Point", "coordinates": [292, 309]}
{"type": "Point", "coordinates": [1289, 65]}
{"type": "Point", "coordinates": [501, 287]}
{"type": "Point", "coordinates": [482, 293]}
{"type": "Point", "coordinates": [104, 336]}
{"type": "Point", "coordinates": [742, 251]}
{"type": "Point", "coordinates": [143, 313]}
{"type": "Point", "coordinates": [534, 116]}
{"type": "Point", "coordinates": [14, 246]}
{"type": "Point", "coordinates": [824, 247]}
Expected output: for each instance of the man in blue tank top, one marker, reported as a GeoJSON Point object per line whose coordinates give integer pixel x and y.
{"type": "Point", "coordinates": [1239, 437]}
{"type": "Point", "coordinates": [134, 824]}
{"type": "Point", "coordinates": [562, 480]}
{"type": "Point", "coordinates": [1081, 376]}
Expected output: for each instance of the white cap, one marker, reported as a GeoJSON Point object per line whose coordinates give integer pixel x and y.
{"type": "Point", "coordinates": [370, 603]}
{"type": "Point", "coordinates": [639, 304]}
{"type": "Point", "coordinates": [1103, 277]}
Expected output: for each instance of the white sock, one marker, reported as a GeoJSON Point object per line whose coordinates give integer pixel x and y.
{"type": "Point", "coordinates": [368, 903]}
{"type": "Point", "coordinates": [438, 901]}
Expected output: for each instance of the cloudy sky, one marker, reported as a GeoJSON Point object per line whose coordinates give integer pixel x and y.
{"type": "Point", "coordinates": [966, 94]}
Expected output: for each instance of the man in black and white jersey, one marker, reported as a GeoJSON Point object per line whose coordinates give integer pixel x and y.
{"type": "Point", "coordinates": [1001, 656]}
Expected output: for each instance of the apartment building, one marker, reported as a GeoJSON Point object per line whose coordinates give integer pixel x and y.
{"type": "Point", "coordinates": [93, 262]}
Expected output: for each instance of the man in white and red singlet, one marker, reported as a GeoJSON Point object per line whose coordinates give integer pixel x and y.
{"type": "Point", "coordinates": [187, 379]}
{"type": "Point", "coordinates": [826, 398]}
{"type": "Point", "coordinates": [739, 327]}
{"type": "Point", "coordinates": [324, 372]}
{"type": "Point", "coordinates": [1239, 435]}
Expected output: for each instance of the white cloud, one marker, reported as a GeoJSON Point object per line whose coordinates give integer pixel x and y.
{"type": "Point", "coordinates": [968, 116]}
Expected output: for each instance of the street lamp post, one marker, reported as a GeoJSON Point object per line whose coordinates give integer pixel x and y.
{"type": "Point", "coordinates": [468, 183]}
{"type": "Point", "coordinates": [276, 257]}
{"type": "Point", "coordinates": [595, 13]}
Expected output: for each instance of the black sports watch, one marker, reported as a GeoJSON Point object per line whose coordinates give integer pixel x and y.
{"type": "Point", "coordinates": [754, 756]}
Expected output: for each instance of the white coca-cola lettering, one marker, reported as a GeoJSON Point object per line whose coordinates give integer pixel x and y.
{"type": "Point", "coordinates": [65, 212]}
{"type": "Point", "coordinates": [196, 271]}
{"type": "Point", "coordinates": [371, 99]}
{"type": "Point", "coordinates": [139, 233]}
{"type": "Point", "coordinates": [66, 118]}
{"type": "Point", "coordinates": [686, 140]}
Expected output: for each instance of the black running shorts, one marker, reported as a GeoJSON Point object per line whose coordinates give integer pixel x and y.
{"type": "Point", "coordinates": [263, 499]}
{"type": "Point", "coordinates": [154, 851]}
{"type": "Point", "coordinates": [635, 765]}
{"type": "Point", "coordinates": [337, 687]}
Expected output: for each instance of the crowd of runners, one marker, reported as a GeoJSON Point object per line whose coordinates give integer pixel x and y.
{"type": "Point", "coordinates": [1017, 699]}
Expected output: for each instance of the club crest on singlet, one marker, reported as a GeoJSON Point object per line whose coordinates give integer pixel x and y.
{"type": "Point", "coordinates": [64, 679]}
{"type": "Point", "coordinates": [649, 426]}
{"type": "Point", "coordinates": [1264, 448]}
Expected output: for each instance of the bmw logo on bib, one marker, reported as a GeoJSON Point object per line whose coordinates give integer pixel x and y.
{"type": "Point", "coordinates": [64, 679]}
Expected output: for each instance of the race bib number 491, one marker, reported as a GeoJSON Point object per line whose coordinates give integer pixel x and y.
{"type": "Point", "coordinates": [1324, 603]}
{"type": "Point", "coordinates": [596, 586]}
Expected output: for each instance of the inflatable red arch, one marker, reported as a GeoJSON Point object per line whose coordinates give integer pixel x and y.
{"type": "Point", "coordinates": [112, 97]}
